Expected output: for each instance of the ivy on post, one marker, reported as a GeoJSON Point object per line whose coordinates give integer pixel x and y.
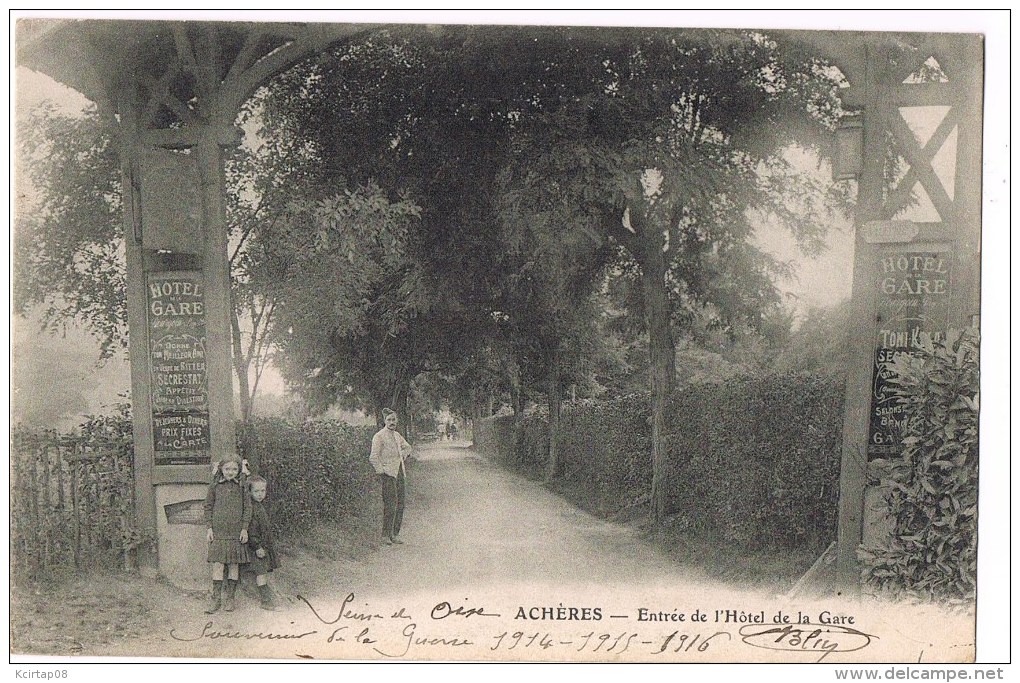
{"type": "Point", "coordinates": [930, 484]}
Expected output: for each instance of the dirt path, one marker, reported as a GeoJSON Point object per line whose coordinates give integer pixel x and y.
{"type": "Point", "coordinates": [474, 535]}
{"type": "Point", "coordinates": [478, 541]}
{"type": "Point", "coordinates": [470, 523]}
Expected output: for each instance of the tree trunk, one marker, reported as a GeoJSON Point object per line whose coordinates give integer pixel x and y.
{"type": "Point", "coordinates": [662, 368]}
{"type": "Point", "coordinates": [646, 237]}
{"type": "Point", "coordinates": [246, 439]}
{"type": "Point", "coordinates": [241, 365]}
{"type": "Point", "coordinates": [555, 398]}
{"type": "Point", "coordinates": [392, 392]}
{"type": "Point", "coordinates": [516, 393]}
{"type": "Point", "coordinates": [380, 402]}
{"type": "Point", "coordinates": [401, 389]}
{"type": "Point", "coordinates": [400, 405]}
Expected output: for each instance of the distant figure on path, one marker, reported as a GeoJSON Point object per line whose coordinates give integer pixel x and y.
{"type": "Point", "coordinates": [389, 448]}
{"type": "Point", "coordinates": [452, 431]}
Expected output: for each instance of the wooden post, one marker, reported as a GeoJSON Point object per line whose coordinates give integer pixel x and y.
{"type": "Point", "coordinates": [956, 235]}
{"type": "Point", "coordinates": [193, 84]}
{"type": "Point", "coordinates": [968, 69]}
{"type": "Point", "coordinates": [141, 404]}
{"type": "Point", "coordinates": [216, 274]}
{"type": "Point", "coordinates": [853, 469]}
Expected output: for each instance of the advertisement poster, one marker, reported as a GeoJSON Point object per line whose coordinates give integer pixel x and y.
{"type": "Point", "coordinates": [180, 394]}
{"type": "Point", "coordinates": [914, 289]}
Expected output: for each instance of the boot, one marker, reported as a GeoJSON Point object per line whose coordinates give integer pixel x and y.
{"type": "Point", "coordinates": [266, 598]}
{"type": "Point", "coordinates": [228, 595]}
{"type": "Point", "coordinates": [214, 599]}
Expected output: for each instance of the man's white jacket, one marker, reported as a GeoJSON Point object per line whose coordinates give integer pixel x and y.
{"type": "Point", "coordinates": [389, 448]}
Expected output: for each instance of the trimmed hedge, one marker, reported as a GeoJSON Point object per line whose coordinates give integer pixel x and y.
{"type": "Point", "coordinates": [496, 435]}
{"type": "Point", "coordinates": [754, 461]}
{"type": "Point", "coordinates": [606, 447]}
{"type": "Point", "coordinates": [317, 471]}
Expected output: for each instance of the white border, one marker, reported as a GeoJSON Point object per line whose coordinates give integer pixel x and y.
{"type": "Point", "coordinates": [993, 643]}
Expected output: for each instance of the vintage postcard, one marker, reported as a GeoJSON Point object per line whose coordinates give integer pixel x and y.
{"type": "Point", "coordinates": [500, 338]}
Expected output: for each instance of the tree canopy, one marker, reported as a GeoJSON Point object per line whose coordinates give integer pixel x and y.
{"type": "Point", "coordinates": [68, 243]}
{"type": "Point", "coordinates": [508, 210]}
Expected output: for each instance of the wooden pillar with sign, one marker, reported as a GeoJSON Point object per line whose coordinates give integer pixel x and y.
{"type": "Point", "coordinates": [178, 310]}
{"type": "Point", "coordinates": [179, 303]}
{"type": "Point", "coordinates": [175, 90]}
{"type": "Point", "coordinates": [916, 264]}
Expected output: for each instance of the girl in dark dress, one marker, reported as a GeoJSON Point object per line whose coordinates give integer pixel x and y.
{"type": "Point", "coordinates": [260, 543]}
{"type": "Point", "coordinates": [228, 512]}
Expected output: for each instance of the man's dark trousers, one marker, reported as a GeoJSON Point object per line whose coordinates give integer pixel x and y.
{"type": "Point", "coordinates": [393, 502]}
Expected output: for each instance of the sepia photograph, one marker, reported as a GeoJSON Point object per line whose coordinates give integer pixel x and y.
{"type": "Point", "coordinates": [505, 337]}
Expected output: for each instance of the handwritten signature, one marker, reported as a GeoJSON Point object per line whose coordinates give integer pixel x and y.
{"type": "Point", "coordinates": [820, 638]}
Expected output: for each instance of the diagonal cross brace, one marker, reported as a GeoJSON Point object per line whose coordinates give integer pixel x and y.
{"type": "Point", "coordinates": [920, 160]}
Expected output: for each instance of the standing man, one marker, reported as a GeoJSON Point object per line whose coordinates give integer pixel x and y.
{"type": "Point", "coordinates": [389, 448]}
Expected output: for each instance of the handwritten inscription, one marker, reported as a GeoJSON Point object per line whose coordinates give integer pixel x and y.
{"type": "Point", "coordinates": [684, 641]}
{"type": "Point", "coordinates": [344, 613]}
{"type": "Point", "coordinates": [210, 633]}
{"type": "Point", "coordinates": [340, 635]}
{"type": "Point", "coordinates": [445, 609]}
{"type": "Point", "coordinates": [413, 639]}
{"type": "Point", "coordinates": [359, 627]}
{"type": "Point", "coordinates": [821, 638]}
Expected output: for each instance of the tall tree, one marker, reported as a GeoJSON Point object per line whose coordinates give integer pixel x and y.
{"type": "Point", "coordinates": [677, 136]}
{"type": "Point", "coordinates": [68, 241]}
{"type": "Point", "coordinates": [407, 116]}
{"type": "Point", "coordinates": [658, 142]}
{"type": "Point", "coordinates": [345, 296]}
{"type": "Point", "coordinates": [550, 313]}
